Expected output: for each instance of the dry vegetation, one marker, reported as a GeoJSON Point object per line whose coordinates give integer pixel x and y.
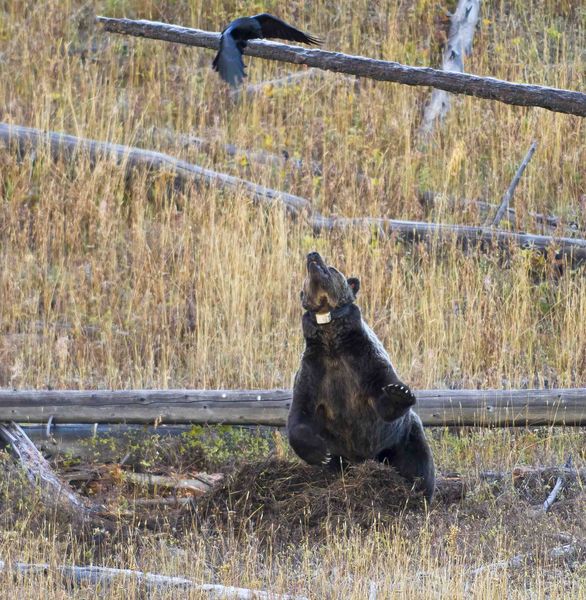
{"type": "Point", "coordinates": [108, 281]}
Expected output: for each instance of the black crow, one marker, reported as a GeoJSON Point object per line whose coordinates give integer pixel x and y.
{"type": "Point", "coordinates": [228, 62]}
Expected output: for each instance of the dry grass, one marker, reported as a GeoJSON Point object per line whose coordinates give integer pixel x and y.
{"type": "Point", "coordinates": [109, 282]}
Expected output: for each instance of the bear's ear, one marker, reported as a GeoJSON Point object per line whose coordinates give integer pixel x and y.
{"type": "Point", "coordinates": [354, 283]}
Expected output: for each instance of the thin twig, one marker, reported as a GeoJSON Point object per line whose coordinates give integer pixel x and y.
{"type": "Point", "coordinates": [459, 43]}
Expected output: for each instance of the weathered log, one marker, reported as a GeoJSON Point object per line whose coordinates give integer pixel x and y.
{"type": "Point", "coordinates": [431, 200]}
{"type": "Point", "coordinates": [459, 43]}
{"type": "Point", "coordinates": [61, 144]}
{"type": "Point", "coordinates": [94, 575]}
{"type": "Point", "coordinates": [498, 408]}
{"type": "Point", "coordinates": [558, 100]}
{"type": "Point", "coordinates": [25, 137]}
{"type": "Point", "coordinates": [573, 249]}
{"type": "Point", "coordinates": [506, 201]}
{"type": "Point", "coordinates": [55, 493]}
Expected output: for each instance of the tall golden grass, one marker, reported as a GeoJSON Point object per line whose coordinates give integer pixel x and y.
{"type": "Point", "coordinates": [108, 281]}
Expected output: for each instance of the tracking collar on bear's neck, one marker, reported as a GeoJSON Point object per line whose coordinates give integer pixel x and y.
{"type": "Point", "coordinates": [325, 318]}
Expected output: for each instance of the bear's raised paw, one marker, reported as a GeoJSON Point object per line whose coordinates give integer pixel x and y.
{"type": "Point", "coordinates": [399, 394]}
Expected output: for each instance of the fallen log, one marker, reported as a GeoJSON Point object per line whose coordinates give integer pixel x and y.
{"type": "Point", "coordinates": [459, 43]}
{"type": "Point", "coordinates": [430, 200]}
{"type": "Point", "coordinates": [573, 249]}
{"type": "Point", "coordinates": [25, 138]}
{"type": "Point", "coordinates": [484, 408]}
{"type": "Point", "coordinates": [558, 100]}
{"type": "Point", "coordinates": [62, 145]}
{"type": "Point", "coordinates": [55, 493]}
{"type": "Point", "coordinates": [94, 575]}
{"type": "Point", "coordinates": [506, 201]}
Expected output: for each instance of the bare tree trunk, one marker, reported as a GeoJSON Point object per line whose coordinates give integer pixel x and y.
{"type": "Point", "coordinates": [459, 43]}
{"type": "Point", "coordinates": [521, 94]}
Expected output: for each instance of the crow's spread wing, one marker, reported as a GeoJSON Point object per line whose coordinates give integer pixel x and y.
{"type": "Point", "coordinates": [228, 62]}
{"type": "Point", "coordinates": [275, 28]}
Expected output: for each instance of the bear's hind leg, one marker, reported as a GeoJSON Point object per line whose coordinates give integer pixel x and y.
{"type": "Point", "coordinates": [413, 460]}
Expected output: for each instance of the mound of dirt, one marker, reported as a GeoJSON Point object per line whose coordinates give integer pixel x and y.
{"type": "Point", "coordinates": [292, 499]}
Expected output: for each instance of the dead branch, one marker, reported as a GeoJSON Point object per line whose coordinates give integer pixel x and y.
{"type": "Point", "coordinates": [506, 201]}
{"type": "Point", "coordinates": [93, 575]}
{"type": "Point", "coordinates": [25, 138]}
{"type": "Point", "coordinates": [573, 249]}
{"type": "Point", "coordinates": [558, 100]}
{"type": "Point", "coordinates": [496, 408]}
{"type": "Point", "coordinates": [430, 200]}
{"type": "Point", "coordinates": [55, 493]}
{"type": "Point", "coordinates": [462, 28]}
{"type": "Point", "coordinates": [557, 487]}
{"type": "Point", "coordinates": [60, 145]}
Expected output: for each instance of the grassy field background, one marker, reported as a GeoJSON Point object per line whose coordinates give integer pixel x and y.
{"type": "Point", "coordinates": [120, 282]}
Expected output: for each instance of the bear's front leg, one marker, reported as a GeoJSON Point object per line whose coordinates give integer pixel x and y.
{"type": "Point", "coordinates": [308, 444]}
{"type": "Point", "coordinates": [394, 401]}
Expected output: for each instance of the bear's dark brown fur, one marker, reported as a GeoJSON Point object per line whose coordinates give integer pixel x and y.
{"type": "Point", "coordinates": [348, 403]}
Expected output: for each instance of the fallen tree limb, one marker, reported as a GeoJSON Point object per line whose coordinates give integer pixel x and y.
{"type": "Point", "coordinates": [55, 493]}
{"type": "Point", "coordinates": [459, 43]}
{"type": "Point", "coordinates": [93, 575]}
{"type": "Point", "coordinates": [506, 201]}
{"type": "Point", "coordinates": [497, 408]}
{"type": "Point", "coordinates": [431, 200]}
{"type": "Point", "coordinates": [25, 138]}
{"type": "Point", "coordinates": [573, 249]}
{"type": "Point", "coordinates": [558, 100]}
{"type": "Point", "coordinates": [60, 144]}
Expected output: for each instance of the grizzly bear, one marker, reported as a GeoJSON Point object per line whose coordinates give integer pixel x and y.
{"type": "Point", "coordinates": [348, 403]}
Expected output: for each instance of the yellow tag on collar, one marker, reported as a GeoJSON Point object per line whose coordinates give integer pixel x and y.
{"type": "Point", "coordinates": [324, 318]}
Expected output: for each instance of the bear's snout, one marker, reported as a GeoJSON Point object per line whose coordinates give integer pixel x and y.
{"type": "Point", "coordinates": [315, 263]}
